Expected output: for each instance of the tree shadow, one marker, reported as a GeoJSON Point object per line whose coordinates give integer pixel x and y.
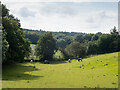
{"type": "Point", "coordinates": [53, 62]}
{"type": "Point", "coordinates": [17, 72]}
{"type": "Point", "coordinates": [58, 62]}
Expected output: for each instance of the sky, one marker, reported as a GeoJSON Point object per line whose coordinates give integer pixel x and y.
{"type": "Point", "coordinates": [90, 16]}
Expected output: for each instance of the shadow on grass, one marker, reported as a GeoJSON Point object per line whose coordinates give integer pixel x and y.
{"type": "Point", "coordinates": [55, 62]}
{"type": "Point", "coordinates": [58, 62]}
{"type": "Point", "coordinates": [50, 61]}
{"type": "Point", "coordinates": [17, 72]}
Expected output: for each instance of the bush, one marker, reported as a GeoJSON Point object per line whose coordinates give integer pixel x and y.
{"type": "Point", "coordinates": [76, 50]}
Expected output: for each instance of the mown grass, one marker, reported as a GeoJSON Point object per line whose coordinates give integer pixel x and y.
{"type": "Point", "coordinates": [99, 71]}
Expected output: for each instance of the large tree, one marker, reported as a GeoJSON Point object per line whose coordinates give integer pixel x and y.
{"type": "Point", "coordinates": [76, 49]}
{"type": "Point", "coordinates": [19, 47]}
{"type": "Point", "coordinates": [92, 48]}
{"type": "Point", "coordinates": [46, 46]}
{"type": "Point", "coordinates": [105, 42]}
{"type": "Point", "coordinates": [109, 42]}
{"type": "Point", "coordinates": [115, 45]}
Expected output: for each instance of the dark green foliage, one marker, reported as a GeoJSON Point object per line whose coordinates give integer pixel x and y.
{"type": "Point", "coordinates": [65, 55]}
{"type": "Point", "coordinates": [82, 38]}
{"type": "Point", "coordinates": [95, 43]}
{"type": "Point", "coordinates": [87, 37]}
{"type": "Point", "coordinates": [118, 43]}
{"type": "Point", "coordinates": [59, 36]}
{"type": "Point", "coordinates": [68, 40]}
{"type": "Point", "coordinates": [92, 48]}
{"type": "Point", "coordinates": [114, 32]}
{"type": "Point", "coordinates": [46, 46]}
{"type": "Point", "coordinates": [5, 11]}
{"type": "Point", "coordinates": [109, 42]}
{"type": "Point", "coordinates": [5, 46]}
{"type": "Point", "coordinates": [15, 46]}
{"type": "Point", "coordinates": [94, 37]}
{"type": "Point", "coordinates": [15, 38]}
{"type": "Point", "coordinates": [76, 49]}
{"type": "Point", "coordinates": [1, 47]}
{"type": "Point", "coordinates": [32, 36]}
{"type": "Point", "coordinates": [104, 43]}
{"type": "Point", "coordinates": [61, 43]}
{"type": "Point", "coordinates": [115, 45]}
{"type": "Point", "coordinates": [79, 38]}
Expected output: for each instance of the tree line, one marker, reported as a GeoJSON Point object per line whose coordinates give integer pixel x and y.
{"type": "Point", "coordinates": [106, 43]}
{"type": "Point", "coordinates": [75, 45]}
{"type": "Point", "coordinates": [33, 35]}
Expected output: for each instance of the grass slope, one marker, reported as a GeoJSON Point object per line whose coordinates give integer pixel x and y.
{"type": "Point", "coordinates": [96, 72]}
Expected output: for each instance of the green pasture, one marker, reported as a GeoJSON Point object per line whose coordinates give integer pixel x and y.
{"type": "Point", "coordinates": [100, 71]}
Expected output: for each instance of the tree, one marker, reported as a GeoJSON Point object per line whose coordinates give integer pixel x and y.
{"type": "Point", "coordinates": [92, 48]}
{"type": "Point", "coordinates": [61, 43]}
{"type": "Point", "coordinates": [115, 45]}
{"type": "Point", "coordinates": [4, 46]}
{"type": "Point", "coordinates": [19, 47]}
{"type": "Point", "coordinates": [87, 37]}
{"type": "Point", "coordinates": [105, 42]}
{"type": "Point", "coordinates": [108, 43]}
{"type": "Point", "coordinates": [118, 43]}
{"type": "Point", "coordinates": [46, 46]}
{"type": "Point", "coordinates": [32, 36]}
{"type": "Point", "coordinates": [5, 11]}
{"type": "Point", "coordinates": [79, 38]}
{"type": "Point", "coordinates": [94, 37]}
{"type": "Point", "coordinates": [76, 49]}
{"type": "Point", "coordinates": [114, 31]}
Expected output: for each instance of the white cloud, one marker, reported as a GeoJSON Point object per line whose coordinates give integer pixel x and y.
{"type": "Point", "coordinates": [102, 20]}
{"type": "Point", "coordinates": [64, 17]}
{"type": "Point", "coordinates": [25, 12]}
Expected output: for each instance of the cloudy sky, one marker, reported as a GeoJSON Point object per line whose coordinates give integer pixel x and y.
{"type": "Point", "coordinates": [88, 17]}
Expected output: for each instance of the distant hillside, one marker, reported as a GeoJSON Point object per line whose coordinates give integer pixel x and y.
{"type": "Point", "coordinates": [33, 35]}
{"type": "Point", "coordinates": [54, 33]}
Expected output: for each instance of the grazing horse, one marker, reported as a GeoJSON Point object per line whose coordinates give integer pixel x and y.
{"type": "Point", "coordinates": [79, 59]}
{"type": "Point", "coordinates": [31, 61]}
{"type": "Point", "coordinates": [69, 60]}
{"type": "Point", "coordinates": [46, 62]}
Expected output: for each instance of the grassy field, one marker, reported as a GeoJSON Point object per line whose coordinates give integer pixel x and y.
{"type": "Point", "coordinates": [96, 72]}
